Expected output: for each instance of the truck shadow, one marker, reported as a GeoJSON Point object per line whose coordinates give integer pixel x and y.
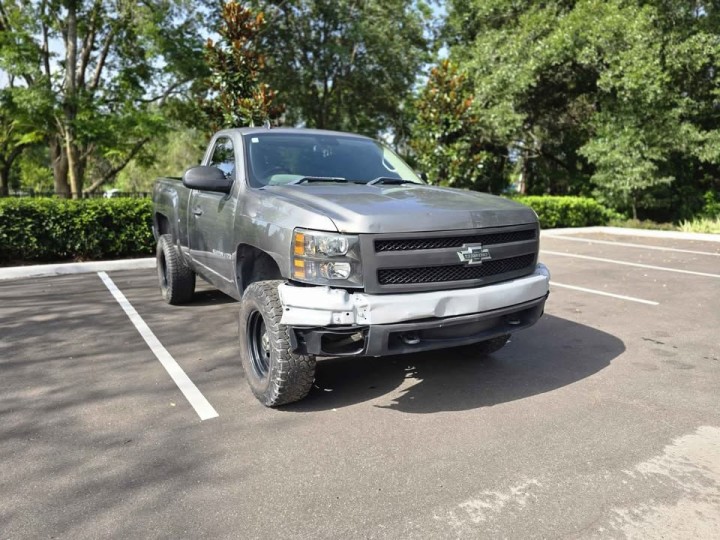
{"type": "Point", "coordinates": [552, 354]}
{"type": "Point", "coordinates": [209, 297]}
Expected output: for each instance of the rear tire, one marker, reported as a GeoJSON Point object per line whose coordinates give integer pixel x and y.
{"type": "Point", "coordinates": [276, 375]}
{"type": "Point", "coordinates": [485, 348]}
{"type": "Point", "coordinates": [177, 280]}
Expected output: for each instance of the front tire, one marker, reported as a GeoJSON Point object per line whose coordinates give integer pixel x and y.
{"type": "Point", "coordinates": [276, 375]}
{"type": "Point", "coordinates": [177, 280]}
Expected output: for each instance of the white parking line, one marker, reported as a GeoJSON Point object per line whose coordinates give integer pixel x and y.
{"type": "Point", "coordinates": [626, 263]}
{"type": "Point", "coordinates": [603, 293]}
{"type": "Point", "coordinates": [627, 244]}
{"type": "Point", "coordinates": [187, 387]}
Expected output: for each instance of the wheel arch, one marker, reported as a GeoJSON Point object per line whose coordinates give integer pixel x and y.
{"type": "Point", "coordinates": [161, 225]}
{"type": "Point", "coordinates": [253, 264]}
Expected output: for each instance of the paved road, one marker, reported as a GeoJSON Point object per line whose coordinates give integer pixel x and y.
{"type": "Point", "coordinates": [602, 421]}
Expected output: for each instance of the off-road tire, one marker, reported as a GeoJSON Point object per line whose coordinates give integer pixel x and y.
{"type": "Point", "coordinates": [277, 376]}
{"type": "Point", "coordinates": [485, 348]}
{"type": "Point", "coordinates": [177, 280]}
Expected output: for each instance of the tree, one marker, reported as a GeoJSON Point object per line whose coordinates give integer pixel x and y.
{"type": "Point", "coordinates": [172, 153]}
{"type": "Point", "coordinates": [449, 138]}
{"type": "Point", "coordinates": [109, 67]}
{"type": "Point", "coordinates": [615, 96]}
{"type": "Point", "coordinates": [23, 109]}
{"type": "Point", "coordinates": [18, 120]}
{"type": "Point", "coordinates": [345, 64]}
{"type": "Point", "coordinates": [236, 94]}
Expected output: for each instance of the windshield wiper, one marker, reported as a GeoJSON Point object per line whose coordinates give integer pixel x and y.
{"type": "Point", "coordinates": [389, 180]}
{"type": "Point", "coordinates": [309, 179]}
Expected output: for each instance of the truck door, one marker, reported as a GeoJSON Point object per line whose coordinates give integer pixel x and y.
{"type": "Point", "coordinates": [211, 218]}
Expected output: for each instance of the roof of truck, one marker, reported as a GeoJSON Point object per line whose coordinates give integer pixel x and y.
{"type": "Point", "coordinates": [286, 130]}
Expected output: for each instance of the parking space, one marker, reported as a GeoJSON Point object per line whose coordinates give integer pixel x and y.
{"type": "Point", "coordinates": [600, 421]}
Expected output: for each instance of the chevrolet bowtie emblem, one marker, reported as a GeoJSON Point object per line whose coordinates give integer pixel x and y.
{"type": "Point", "coordinates": [474, 254]}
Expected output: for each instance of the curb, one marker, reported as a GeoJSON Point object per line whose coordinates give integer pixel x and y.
{"type": "Point", "coordinates": [48, 270]}
{"type": "Point", "coordinates": [621, 231]}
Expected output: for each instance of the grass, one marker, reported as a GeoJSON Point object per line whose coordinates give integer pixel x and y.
{"type": "Point", "coordinates": [644, 224]}
{"type": "Point", "coordinates": [697, 225]}
{"type": "Point", "coordinates": [701, 225]}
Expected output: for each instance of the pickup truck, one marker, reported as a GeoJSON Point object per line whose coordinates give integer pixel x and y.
{"type": "Point", "coordinates": [335, 247]}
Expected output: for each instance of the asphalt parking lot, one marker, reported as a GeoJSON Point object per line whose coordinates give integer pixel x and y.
{"type": "Point", "coordinates": [602, 421]}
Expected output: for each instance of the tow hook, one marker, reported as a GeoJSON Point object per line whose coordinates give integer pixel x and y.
{"type": "Point", "coordinates": [410, 338]}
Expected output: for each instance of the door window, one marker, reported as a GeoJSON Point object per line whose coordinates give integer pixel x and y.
{"type": "Point", "coordinates": [223, 157]}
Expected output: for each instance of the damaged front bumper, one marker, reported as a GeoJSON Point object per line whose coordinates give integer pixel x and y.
{"type": "Point", "coordinates": [335, 322]}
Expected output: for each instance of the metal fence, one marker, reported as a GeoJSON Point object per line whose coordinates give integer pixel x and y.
{"type": "Point", "coordinates": [99, 195]}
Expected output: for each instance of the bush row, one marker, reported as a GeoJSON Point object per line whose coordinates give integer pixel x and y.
{"type": "Point", "coordinates": [568, 211]}
{"type": "Point", "coordinates": [55, 229]}
{"type": "Point", "coordinates": [49, 229]}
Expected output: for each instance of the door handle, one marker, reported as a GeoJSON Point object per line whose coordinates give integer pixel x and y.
{"type": "Point", "coordinates": [197, 211]}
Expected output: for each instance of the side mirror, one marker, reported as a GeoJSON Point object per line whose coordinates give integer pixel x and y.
{"type": "Point", "coordinates": [207, 178]}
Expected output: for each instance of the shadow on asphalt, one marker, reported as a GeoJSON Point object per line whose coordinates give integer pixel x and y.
{"type": "Point", "coordinates": [94, 435]}
{"type": "Point", "coordinates": [552, 354]}
{"type": "Point", "coordinates": [211, 297]}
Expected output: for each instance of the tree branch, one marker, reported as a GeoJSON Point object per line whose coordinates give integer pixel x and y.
{"type": "Point", "coordinates": [115, 170]}
{"type": "Point", "coordinates": [101, 59]}
{"type": "Point", "coordinates": [4, 21]}
{"type": "Point", "coordinates": [15, 152]}
{"type": "Point", "coordinates": [88, 44]}
{"type": "Point", "coordinates": [555, 159]}
{"type": "Point", "coordinates": [45, 47]}
{"type": "Point", "coordinates": [88, 151]}
{"type": "Point", "coordinates": [168, 91]}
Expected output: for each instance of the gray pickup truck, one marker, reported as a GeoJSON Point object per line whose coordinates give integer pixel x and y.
{"type": "Point", "coordinates": [335, 247]}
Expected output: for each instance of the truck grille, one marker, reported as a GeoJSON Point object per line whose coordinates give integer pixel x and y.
{"type": "Point", "coordinates": [407, 244]}
{"type": "Point", "coordinates": [436, 274]}
{"type": "Point", "coordinates": [434, 261]}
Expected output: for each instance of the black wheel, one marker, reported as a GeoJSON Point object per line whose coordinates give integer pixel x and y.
{"type": "Point", "coordinates": [177, 280]}
{"type": "Point", "coordinates": [484, 348]}
{"type": "Point", "coordinates": [276, 374]}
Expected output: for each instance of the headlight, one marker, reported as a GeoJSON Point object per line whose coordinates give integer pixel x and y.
{"type": "Point", "coordinates": [326, 258]}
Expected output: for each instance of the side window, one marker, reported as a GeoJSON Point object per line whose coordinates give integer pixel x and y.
{"type": "Point", "coordinates": [223, 156]}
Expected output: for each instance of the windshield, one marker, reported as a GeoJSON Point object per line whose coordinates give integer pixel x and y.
{"type": "Point", "coordinates": [284, 158]}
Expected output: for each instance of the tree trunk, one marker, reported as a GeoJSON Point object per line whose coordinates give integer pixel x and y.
{"type": "Point", "coordinates": [70, 105]}
{"type": "Point", "coordinates": [58, 159]}
{"type": "Point", "coordinates": [73, 161]}
{"type": "Point", "coordinates": [4, 181]}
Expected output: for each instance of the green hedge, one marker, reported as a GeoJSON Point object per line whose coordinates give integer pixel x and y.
{"type": "Point", "coordinates": [568, 211]}
{"type": "Point", "coordinates": [56, 229]}
{"type": "Point", "coordinates": [49, 229]}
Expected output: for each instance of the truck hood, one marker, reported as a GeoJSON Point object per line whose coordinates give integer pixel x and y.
{"type": "Point", "coordinates": [357, 208]}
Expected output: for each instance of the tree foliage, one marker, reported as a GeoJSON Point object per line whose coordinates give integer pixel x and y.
{"type": "Point", "coordinates": [615, 99]}
{"type": "Point", "coordinates": [236, 93]}
{"type": "Point", "coordinates": [616, 96]}
{"type": "Point", "coordinates": [105, 69]}
{"type": "Point", "coordinates": [450, 137]}
{"type": "Point", "coordinates": [21, 115]}
{"type": "Point", "coordinates": [345, 64]}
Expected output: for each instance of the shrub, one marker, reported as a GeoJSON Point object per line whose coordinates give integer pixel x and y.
{"type": "Point", "coordinates": [711, 208]}
{"type": "Point", "coordinates": [568, 211]}
{"type": "Point", "coordinates": [49, 229]}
